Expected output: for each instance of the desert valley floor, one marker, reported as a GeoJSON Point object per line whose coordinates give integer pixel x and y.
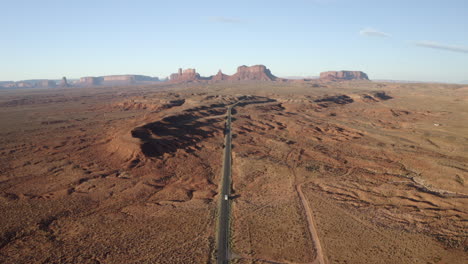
{"type": "Point", "coordinates": [347, 172]}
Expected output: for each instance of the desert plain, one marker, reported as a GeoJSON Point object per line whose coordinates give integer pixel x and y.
{"type": "Point", "coordinates": [323, 172]}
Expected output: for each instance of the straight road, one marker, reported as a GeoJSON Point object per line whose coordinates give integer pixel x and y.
{"type": "Point", "coordinates": [223, 221]}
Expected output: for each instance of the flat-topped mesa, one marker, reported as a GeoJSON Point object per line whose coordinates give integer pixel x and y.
{"type": "Point", "coordinates": [34, 84]}
{"type": "Point", "coordinates": [89, 81]}
{"type": "Point", "coordinates": [126, 79]}
{"type": "Point", "coordinates": [343, 75]}
{"type": "Point", "coordinates": [119, 78]}
{"type": "Point", "coordinates": [186, 75]}
{"type": "Point", "coordinates": [46, 84]}
{"type": "Point", "coordinates": [256, 72]}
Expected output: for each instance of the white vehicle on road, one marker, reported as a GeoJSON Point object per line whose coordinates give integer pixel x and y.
{"type": "Point", "coordinates": [226, 197]}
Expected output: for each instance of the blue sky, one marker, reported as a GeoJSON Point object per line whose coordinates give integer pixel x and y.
{"type": "Point", "coordinates": [388, 39]}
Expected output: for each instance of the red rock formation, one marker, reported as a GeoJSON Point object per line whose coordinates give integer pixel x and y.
{"type": "Point", "coordinates": [185, 76]}
{"type": "Point", "coordinates": [256, 72]}
{"type": "Point", "coordinates": [220, 76]}
{"type": "Point", "coordinates": [343, 75]}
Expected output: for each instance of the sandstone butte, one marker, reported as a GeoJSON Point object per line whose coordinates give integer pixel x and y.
{"type": "Point", "coordinates": [256, 72]}
{"type": "Point", "coordinates": [64, 82]}
{"type": "Point", "coordinates": [244, 73]}
{"type": "Point", "coordinates": [220, 76]}
{"type": "Point", "coordinates": [186, 75]}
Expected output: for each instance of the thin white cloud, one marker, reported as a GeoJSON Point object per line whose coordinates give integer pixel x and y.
{"type": "Point", "coordinates": [370, 32]}
{"type": "Point", "coordinates": [226, 20]}
{"type": "Point", "coordinates": [439, 46]}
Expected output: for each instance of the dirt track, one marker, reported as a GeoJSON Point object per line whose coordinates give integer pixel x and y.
{"type": "Point", "coordinates": [312, 227]}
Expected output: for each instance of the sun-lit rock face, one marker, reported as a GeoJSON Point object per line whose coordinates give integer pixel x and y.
{"type": "Point", "coordinates": [343, 75]}
{"type": "Point", "coordinates": [256, 72]}
{"type": "Point", "coordinates": [220, 76]}
{"type": "Point", "coordinates": [244, 73]}
{"type": "Point", "coordinates": [186, 75]}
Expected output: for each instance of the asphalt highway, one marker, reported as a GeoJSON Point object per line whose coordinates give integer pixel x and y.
{"type": "Point", "coordinates": [223, 220]}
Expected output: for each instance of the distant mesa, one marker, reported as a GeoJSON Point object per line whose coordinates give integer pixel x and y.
{"type": "Point", "coordinates": [30, 84]}
{"type": "Point", "coordinates": [256, 72]}
{"type": "Point", "coordinates": [343, 75]}
{"type": "Point", "coordinates": [7, 84]}
{"type": "Point", "coordinates": [47, 83]}
{"type": "Point", "coordinates": [111, 80]}
{"type": "Point", "coordinates": [116, 80]}
{"type": "Point", "coordinates": [89, 81]}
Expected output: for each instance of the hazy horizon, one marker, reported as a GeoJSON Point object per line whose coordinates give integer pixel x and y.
{"type": "Point", "coordinates": [393, 40]}
{"type": "Point", "coordinates": [292, 77]}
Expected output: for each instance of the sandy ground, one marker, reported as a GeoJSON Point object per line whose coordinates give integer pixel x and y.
{"type": "Point", "coordinates": [354, 172]}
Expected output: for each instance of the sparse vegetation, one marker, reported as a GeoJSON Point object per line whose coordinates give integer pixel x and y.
{"type": "Point", "coordinates": [354, 155]}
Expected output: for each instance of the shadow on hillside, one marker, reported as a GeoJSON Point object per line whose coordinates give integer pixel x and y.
{"type": "Point", "coordinates": [173, 133]}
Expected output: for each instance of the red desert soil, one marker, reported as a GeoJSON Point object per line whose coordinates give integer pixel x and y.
{"type": "Point", "coordinates": [344, 172]}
